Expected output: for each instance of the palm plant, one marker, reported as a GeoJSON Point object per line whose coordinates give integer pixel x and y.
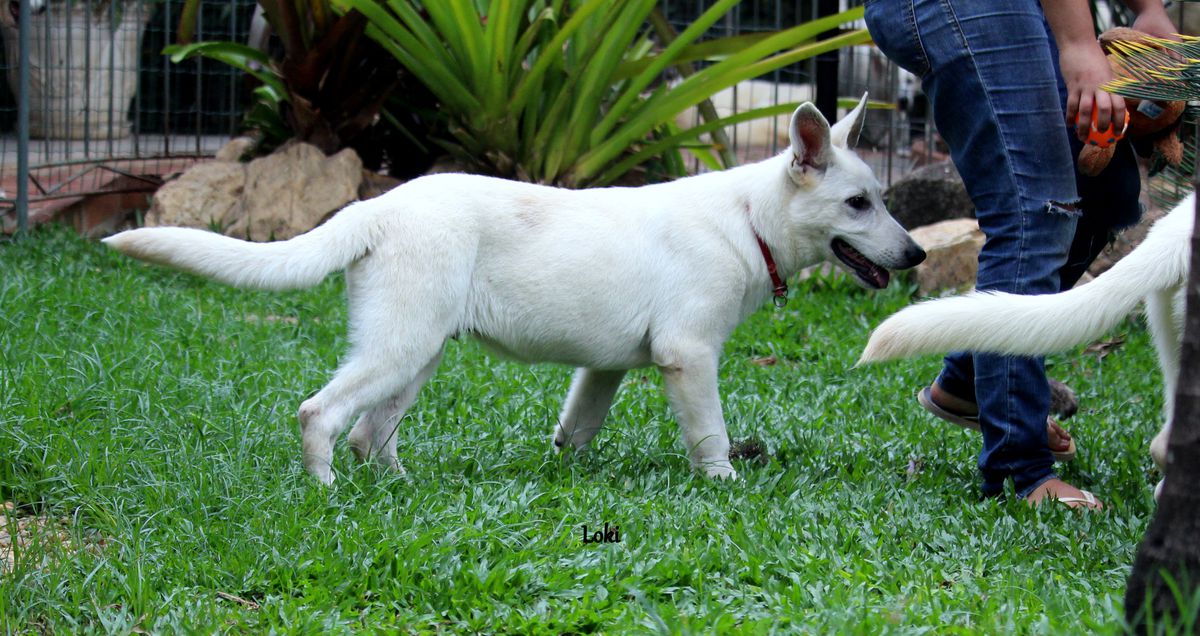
{"type": "Point", "coordinates": [325, 84]}
{"type": "Point", "coordinates": [1162, 70]}
{"type": "Point", "coordinates": [569, 91]}
{"type": "Point", "coordinates": [1158, 69]}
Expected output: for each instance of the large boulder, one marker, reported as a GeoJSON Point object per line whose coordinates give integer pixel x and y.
{"type": "Point", "coordinates": [208, 195]}
{"type": "Point", "coordinates": [275, 197]}
{"type": "Point", "coordinates": [928, 195]}
{"type": "Point", "coordinates": [952, 256]}
{"type": "Point", "coordinates": [294, 189]}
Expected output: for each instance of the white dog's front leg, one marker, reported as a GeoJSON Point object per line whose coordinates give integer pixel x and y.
{"type": "Point", "coordinates": [691, 382]}
{"type": "Point", "coordinates": [1158, 452]}
{"type": "Point", "coordinates": [587, 404]}
{"type": "Point", "coordinates": [1163, 312]}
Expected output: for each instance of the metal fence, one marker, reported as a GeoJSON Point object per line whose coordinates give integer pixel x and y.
{"type": "Point", "coordinates": [887, 136]}
{"type": "Point", "coordinates": [108, 113]}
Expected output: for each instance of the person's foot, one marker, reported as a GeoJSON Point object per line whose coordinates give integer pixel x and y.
{"type": "Point", "coordinates": [952, 402]}
{"type": "Point", "coordinates": [1058, 439]}
{"type": "Point", "coordinates": [1063, 402]}
{"type": "Point", "coordinates": [1057, 490]}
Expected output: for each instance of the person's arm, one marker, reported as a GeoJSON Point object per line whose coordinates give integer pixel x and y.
{"type": "Point", "coordinates": [1084, 66]}
{"type": "Point", "coordinates": [1152, 18]}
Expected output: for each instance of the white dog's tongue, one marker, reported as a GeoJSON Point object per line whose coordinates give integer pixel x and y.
{"type": "Point", "coordinates": [868, 272]}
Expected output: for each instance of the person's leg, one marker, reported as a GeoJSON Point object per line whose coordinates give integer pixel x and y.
{"type": "Point", "coordinates": [990, 76]}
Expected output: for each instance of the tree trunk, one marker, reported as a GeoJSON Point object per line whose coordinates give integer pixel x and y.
{"type": "Point", "coordinates": [1166, 571]}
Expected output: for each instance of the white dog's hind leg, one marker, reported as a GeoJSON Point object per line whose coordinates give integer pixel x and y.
{"type": "Point", "coordinates": [404, 302]}
{"type": "Point", "coordinates": [587, 404]}
{"type": "Point", "coordinates": [690, 376]}
{"type": "Point", "coordinates": [387, 355]}
{"type": "Point", "coordinates": [365, 380]}
{"type": "Point", "coordinates": [373, 436]}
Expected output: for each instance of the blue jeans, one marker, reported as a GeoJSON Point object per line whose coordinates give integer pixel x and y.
{"type": "Point", "coordinates": [990, 70]}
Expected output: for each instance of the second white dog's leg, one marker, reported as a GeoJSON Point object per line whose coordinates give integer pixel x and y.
{"type": "Point", "coordinates": [691, 381]}
{"type": "Point", "coordinates": [1165, 328]}
{"type": "Point", "coordinates": [587, 404]}
{"type": "Point", "coordinates": [373, 436]}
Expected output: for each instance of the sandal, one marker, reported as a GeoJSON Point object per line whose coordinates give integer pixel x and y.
{"type": "Point", "coordinates": [925, 398]}
{"type": "Point", "coordinates": [1088, 501]}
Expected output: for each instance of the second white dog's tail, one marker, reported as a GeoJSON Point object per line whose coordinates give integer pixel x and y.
{"type": "Point", "coordinates": [299, 262]}
{"type": "Point", "coordinates": [1036, 325]}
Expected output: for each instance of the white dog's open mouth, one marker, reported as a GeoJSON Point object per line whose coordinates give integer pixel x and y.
{"type": "Point", "coordinates": [868, 272]}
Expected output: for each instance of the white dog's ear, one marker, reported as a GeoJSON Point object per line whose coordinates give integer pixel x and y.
{"type": "Point", "coordinates": [845, 133]}
{"type": "Point", "coordinates": [811, 151]}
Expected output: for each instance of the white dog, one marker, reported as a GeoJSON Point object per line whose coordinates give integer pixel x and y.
{"type": "Point", "coordinates": [605, 280]}
{"type": "Point", "coordinates": [1155, 274]}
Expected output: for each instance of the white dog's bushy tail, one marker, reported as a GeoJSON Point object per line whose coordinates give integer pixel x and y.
{"type": "Point", "coordinates": [1036, 325]}
{"type": "Point", "coordinates": [299, 262]}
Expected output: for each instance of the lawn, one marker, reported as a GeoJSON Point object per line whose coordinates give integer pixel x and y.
{"type": "Point", "coordinates": [148, 417]}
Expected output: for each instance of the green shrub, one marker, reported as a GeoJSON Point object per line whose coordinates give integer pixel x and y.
{"type": "Point", "coordinates": [569, 92]}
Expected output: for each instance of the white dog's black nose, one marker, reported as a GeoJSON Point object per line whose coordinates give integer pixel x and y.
{"type": "Point", "coordinates": [913, 256]}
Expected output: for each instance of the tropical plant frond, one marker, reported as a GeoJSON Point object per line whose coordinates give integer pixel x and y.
{"type": "Point", "coordinates": [563, 91]}
{"type": "Point", "coordinates": [1157, 69]}
{"type": "Point", "coordinates": [329, 85]}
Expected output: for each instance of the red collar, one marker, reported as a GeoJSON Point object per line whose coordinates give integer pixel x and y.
{"type": "Point", "coordinates": [781, 289]}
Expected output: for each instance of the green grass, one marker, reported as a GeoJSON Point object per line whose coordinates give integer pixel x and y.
{"type": "Point", "coordinates": [157, 412]}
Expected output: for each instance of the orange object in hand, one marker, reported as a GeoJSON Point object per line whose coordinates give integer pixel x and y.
{"type": "Point", "coordinates": [1107, 137]}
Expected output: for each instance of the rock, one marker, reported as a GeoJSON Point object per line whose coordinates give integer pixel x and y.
{"type": "Point", "coordinates": [374, 184]}
{"type": "Point", "coordinates": [209, 196]}
{"type": "Point", "coordinates": [235, 149]}
{"type": "Point", "coordinates": [294, 189]}
{"type": "Point", "coordinates": [929, 195]}
{"type": "Point", "coordinates": [278, 196]}
{"type": "Point", "coordinates": [952, 249]}
{"type": "Point", "coordinates": [824, 269]}
{"type": "Point", "coordinates": [1063, 401]}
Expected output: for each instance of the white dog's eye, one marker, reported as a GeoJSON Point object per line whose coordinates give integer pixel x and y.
{"type": "Point", "coordinates": [859, 202]}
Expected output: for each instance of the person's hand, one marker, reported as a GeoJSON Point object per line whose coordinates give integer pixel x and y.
{"type": "Point", "coordinates": [1085, 70]}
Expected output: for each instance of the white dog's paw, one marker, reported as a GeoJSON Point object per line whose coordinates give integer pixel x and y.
{"type": "Point", "coordinates": [321, 470]}
{"type": "Point", "coordinates": [559, 439]}
{"type": "Point", "coordinates": [318, 458]}
{"type": "Point", "coordinates": [316, 443]}
{"type": "Point", "coordinates": [364, 454]}
{"type": "Point", "coordinates": [1158, 490]}
{"type": "Point", "coordinates": [563, 440]}
{"type": "Point", "coordinates": [720, 470]}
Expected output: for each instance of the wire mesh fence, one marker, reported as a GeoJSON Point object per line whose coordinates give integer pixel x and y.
{"type": "Point", "coordinates": [885, 141]}
{"type": "Point", "coordinates": [108, 113]}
